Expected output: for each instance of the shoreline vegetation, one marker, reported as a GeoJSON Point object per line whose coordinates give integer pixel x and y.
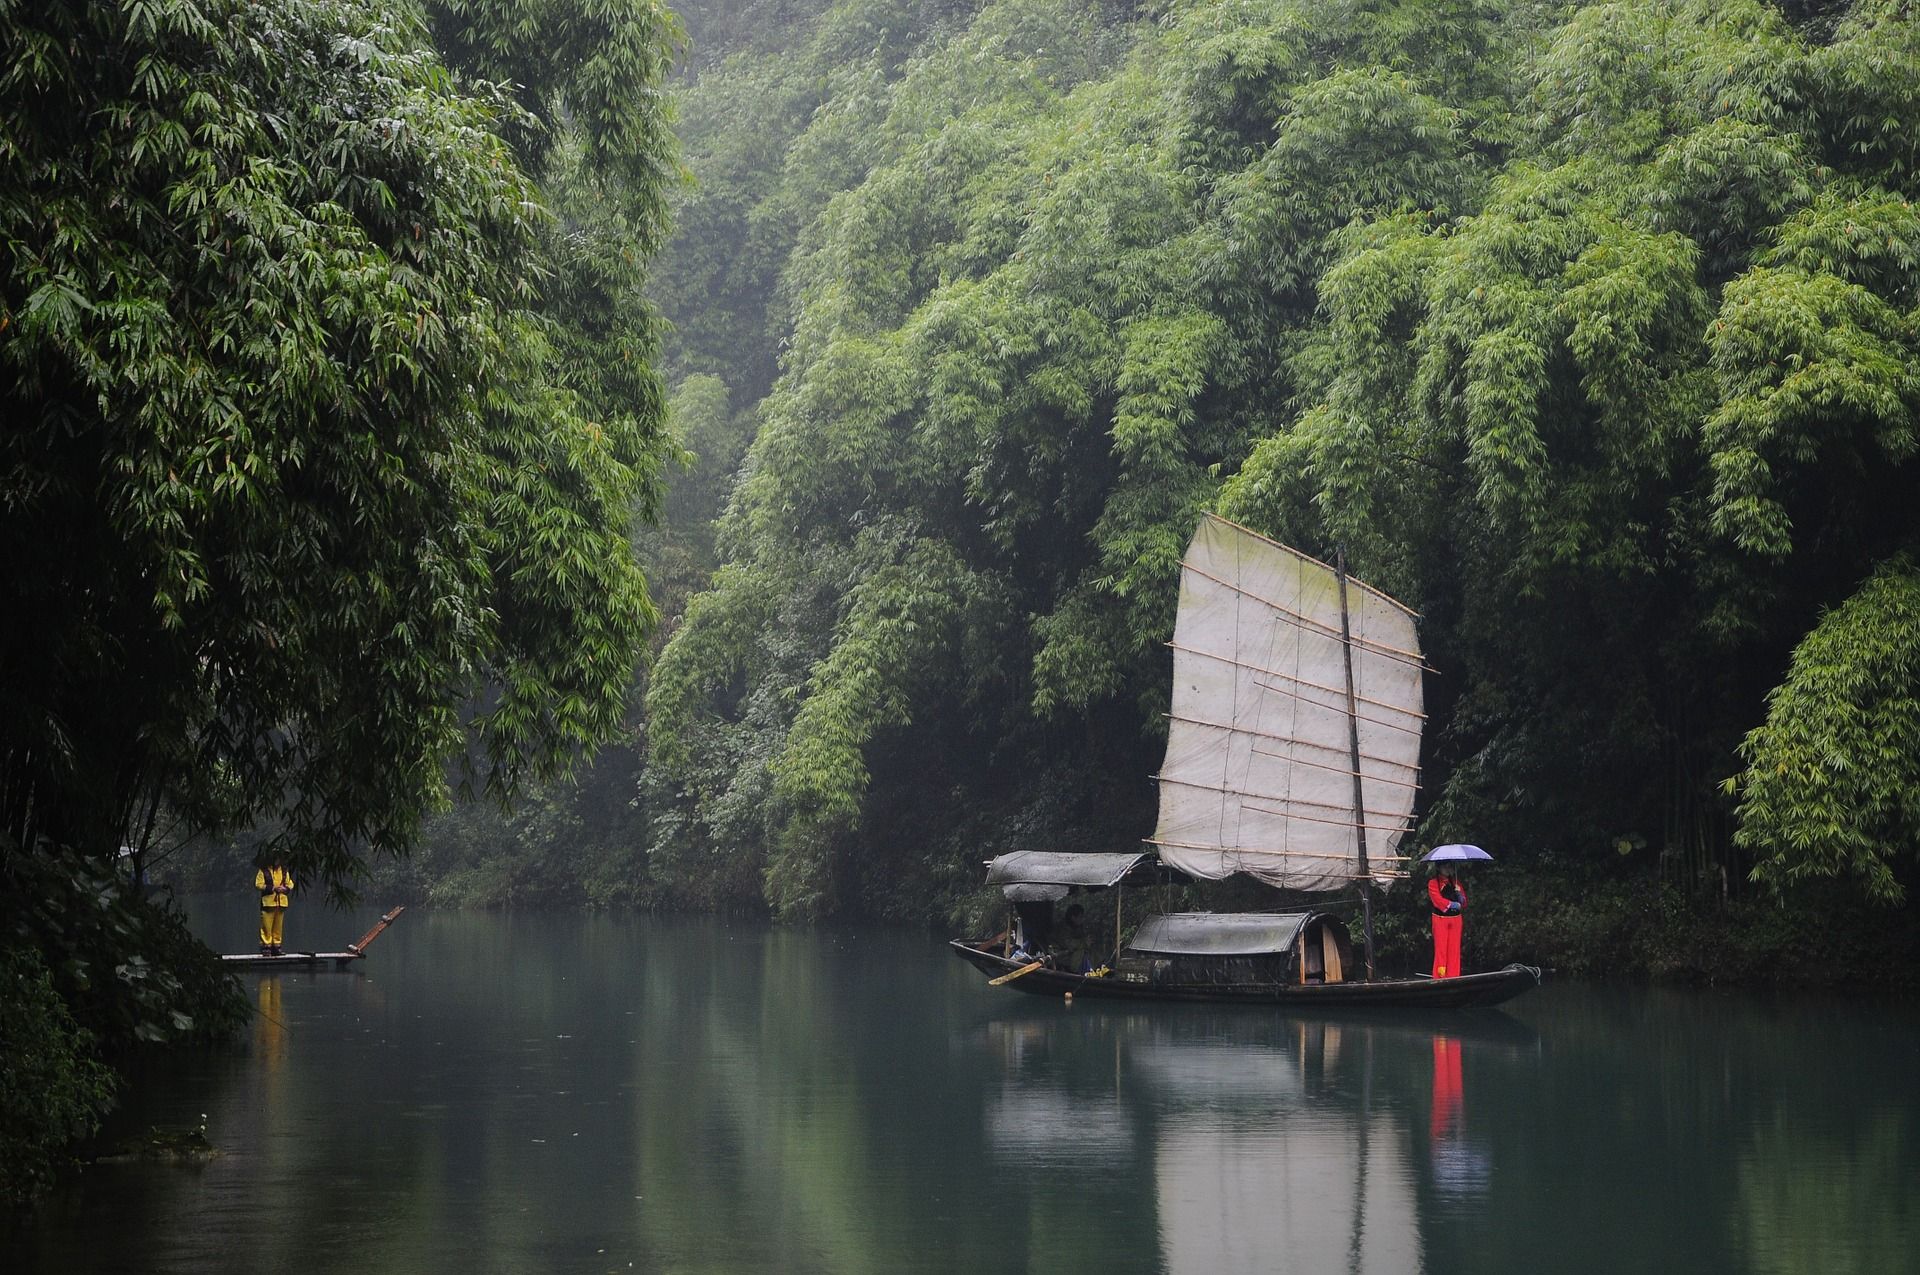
{"type": "Point", "coordinates": [498, 452]}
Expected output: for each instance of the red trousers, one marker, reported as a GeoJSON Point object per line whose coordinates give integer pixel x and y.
{"type": "Point", "coordinates": [1446, 947]}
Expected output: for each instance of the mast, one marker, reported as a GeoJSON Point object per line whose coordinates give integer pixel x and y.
{"type": "Point", "coordinates": [1353, 744]}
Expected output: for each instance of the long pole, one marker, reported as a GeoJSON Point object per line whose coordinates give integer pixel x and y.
{"type": "Point", "coordinates": [1353, 743]}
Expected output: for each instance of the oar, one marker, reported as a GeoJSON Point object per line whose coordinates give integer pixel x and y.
{"type": "Point", "coordinates": [360, 948]}
{"type": "Point", "coordinates": [1010, 976]}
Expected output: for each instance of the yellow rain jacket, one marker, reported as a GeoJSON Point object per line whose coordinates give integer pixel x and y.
{"type": "Point", "coordinates": [275, 885]}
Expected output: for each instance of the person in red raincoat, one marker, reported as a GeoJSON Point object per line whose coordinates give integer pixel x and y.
{"type": "Point", "coordinates": [1449, 899]}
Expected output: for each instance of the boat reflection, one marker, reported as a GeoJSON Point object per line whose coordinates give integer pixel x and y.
{"type": "Point", "coordinates": [1291, 1142]}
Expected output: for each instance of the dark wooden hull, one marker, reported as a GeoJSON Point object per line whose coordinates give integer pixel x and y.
{"type": "Point", "coordinates": [1469, 991]}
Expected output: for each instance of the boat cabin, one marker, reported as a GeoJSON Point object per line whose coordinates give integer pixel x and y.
{"type": "Point", "coordinates": [1180, 949]}
{"type": "Point", "coordinates": [1190, 949]}
{"type": "Point", "coordinates": [1038, 884]}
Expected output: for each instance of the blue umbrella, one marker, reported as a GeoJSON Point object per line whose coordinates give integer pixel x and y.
{"type": "Point", "coordinates": [1441, 854]}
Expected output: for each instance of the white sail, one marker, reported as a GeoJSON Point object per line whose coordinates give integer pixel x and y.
{"type": "Point", "coordinates": [1259, 769]}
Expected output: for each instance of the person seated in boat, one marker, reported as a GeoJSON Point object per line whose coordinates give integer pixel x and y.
{"type": "Point", "coordinates": [1070, 944]}
{"type": "Point", "coordinates": [1032, 928]}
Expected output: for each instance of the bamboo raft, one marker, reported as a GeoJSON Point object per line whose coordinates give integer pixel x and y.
{"type": "Point", "coordinates": [312, 960]}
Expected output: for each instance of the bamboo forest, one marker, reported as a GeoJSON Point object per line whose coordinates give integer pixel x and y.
{"type": "Point", "coordinates": [694, 494]}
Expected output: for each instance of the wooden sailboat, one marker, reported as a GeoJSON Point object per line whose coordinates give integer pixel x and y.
{"type": "Point", "coordinates": [1293, 756]}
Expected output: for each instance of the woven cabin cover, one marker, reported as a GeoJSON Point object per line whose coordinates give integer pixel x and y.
{"type": "Point", "coordinates": [1056, 868]}
{"type": "Point", "coordinates": [1218, 933]}
{"type": "Point", "coordinates": [1258, 775]}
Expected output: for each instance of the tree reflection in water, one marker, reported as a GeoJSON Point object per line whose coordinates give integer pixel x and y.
{"type": "Point", "coordinates": [560, 1092]}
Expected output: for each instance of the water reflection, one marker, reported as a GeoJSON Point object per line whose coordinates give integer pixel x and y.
{"type": "Point", "coordinates": [1461, 1167]}
{"type": "Point", "coordinates": [1267, 1139]}
{"type": "Point", "coordinates": [511, 1093]}
{"type": "Point", "coordinates": [269, 1031]}
{"type": "Point", "coordinates": [1305, 1169]}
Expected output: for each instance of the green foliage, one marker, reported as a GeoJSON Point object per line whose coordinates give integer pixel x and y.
{"type": "Point", "coordinates": [1647, 369]}
{"type": "Point", "coordinates": [1014, 342]}
{"type": "Point", "coordinates": [1801, 358]}
{"type": "Point", "coordinates": [727, 621]}
{"type": "Point", "coordinates": [1832, 783]}
{"type": "Point", "coordinates": [330, 397]}
{"type": "Point", "coordinates": [896, 618]}
{"type": "Point", "coordinates": [90, 973]}
{"type": "Point", "coordinates": [1590, 331]}
{"type": "Point", "coordinates": [572, 843]}
{"type": "Point", "coordinates": [1582, 920]}
{"type": "Point", "coordinates": [52, 1088]}
{"type": "Point", "coordinates": [324, 425]}
{"type": "Point", "coordinates": [126, 966]}
{"type": "Point", "coordinates": [590, 71]}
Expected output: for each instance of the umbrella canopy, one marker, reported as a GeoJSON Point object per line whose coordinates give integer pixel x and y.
{"type": "Point", "coordinates": [1454, 853]}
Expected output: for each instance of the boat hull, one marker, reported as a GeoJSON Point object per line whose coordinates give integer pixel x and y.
{"type": "Point", "coordinates": [290, 960]}
{"type": "Point", "coordinates": [1469, 991]}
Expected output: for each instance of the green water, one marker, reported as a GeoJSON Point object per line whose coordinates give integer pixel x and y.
{"type": "Point", "coordinates": [589, 1093]}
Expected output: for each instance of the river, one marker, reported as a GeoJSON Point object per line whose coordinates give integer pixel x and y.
{"type": "Point", "coordinates": [512, 1092]}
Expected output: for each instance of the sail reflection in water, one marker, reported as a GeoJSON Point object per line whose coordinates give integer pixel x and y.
{"type": "Point", "coordinates": [1293, 1175]}
{"type": "Point", "coordinates": [1269, 1142]}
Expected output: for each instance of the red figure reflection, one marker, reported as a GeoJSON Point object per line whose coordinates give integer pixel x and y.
{"type": "Point", "coordinates": [1446, 1088]}
{"type": "Point", "coordinates": [1460, 1168]}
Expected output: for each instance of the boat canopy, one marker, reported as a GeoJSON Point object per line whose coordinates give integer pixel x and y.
{"type": "Point", "coordinates": [1040, 876]}
{"type": "Point", "coordinates": [1287, 679]}
{"type": "Point", "coordinates": [1219, 933]}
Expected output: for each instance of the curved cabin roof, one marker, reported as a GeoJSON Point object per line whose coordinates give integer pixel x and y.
{"type": "Point", "coordinates": [1219, 933]}
{"type": "Point", "coordinates": [1037, 875]}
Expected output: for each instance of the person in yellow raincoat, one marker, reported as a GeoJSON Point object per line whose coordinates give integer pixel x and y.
{"type": "Point", "coordinates": [275, 884]}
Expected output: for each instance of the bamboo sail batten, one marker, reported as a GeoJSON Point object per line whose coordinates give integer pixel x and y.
{"type": "Point", "coordinates": [1348, 822]}
{"type": "Point", "coordinates": [1414, 730]}
{"type": "Point", "coordinates": [1291, 760]}
{"type": "Point", "coordinates": [1252, 800]}
{"type": "Point", "coordinates": [1301, 743]}
{"type": "Point", "coordinates": [1273, 672]}
{"type": "Point", "coordinates": [1305, 854]}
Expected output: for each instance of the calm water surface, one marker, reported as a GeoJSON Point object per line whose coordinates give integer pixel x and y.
{"type": "Point", "coordinates": [592, 1093]}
